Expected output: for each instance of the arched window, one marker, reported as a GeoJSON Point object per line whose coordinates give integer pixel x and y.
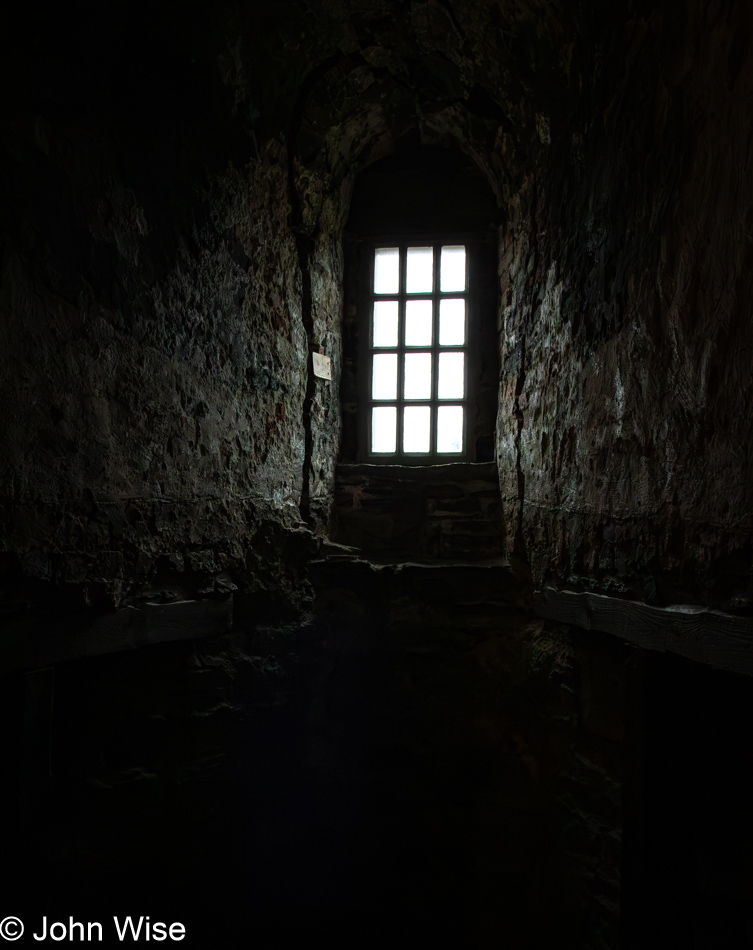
{"type": "Point", "coordinates": [421, 354]}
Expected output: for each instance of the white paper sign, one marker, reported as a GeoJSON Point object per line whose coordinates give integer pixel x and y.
{"type": "Point", "coordinates": [322, 366]}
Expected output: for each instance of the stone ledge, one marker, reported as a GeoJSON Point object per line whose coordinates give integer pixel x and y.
{"type": "Point", "coordinates": [454, 471]}
{"type": "Point", "coordinates": [43, 639]}
{"type": "Point", "coordinates": [716, 639]}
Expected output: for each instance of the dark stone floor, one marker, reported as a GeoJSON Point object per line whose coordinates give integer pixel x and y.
{"type": "Point", "coordinates": [379, 776]}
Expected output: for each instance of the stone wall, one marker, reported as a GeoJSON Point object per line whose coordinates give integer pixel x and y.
{"type": "Point", "coordinates": [626, 334]}
{"type": "Point", "coordinates": [162, 287]}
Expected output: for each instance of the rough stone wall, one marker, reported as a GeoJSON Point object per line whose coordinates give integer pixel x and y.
{"type": "Point", "coordinates": [623, 427]}
{"type": "Point", "coordinates": [156, 323]}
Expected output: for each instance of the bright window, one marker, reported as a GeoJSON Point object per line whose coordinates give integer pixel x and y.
{"type": "Point", "coordinates": [418, 352]}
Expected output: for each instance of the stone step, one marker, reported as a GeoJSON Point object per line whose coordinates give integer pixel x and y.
{"type": "Point", "coordinates": [450, 512]}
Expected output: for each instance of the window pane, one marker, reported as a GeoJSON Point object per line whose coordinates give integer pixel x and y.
{"type": "Point", "coordinates": [385, 323]}
{"type": "Point", "coordinates": [420, 276]}
{"type": "Point", "coordinates": [450, 429]}
{"type": "Point", "coordinates": [451, 376]}
{"type": "Point", "coordinates": [384, 429]}
{"type": "Point", "coordinates": [417, 382]}
{"type": "Point", "coordinates": [387, 270]}
{"type": "Point", "coordinates": [384, 380]}
{"type": "Point", "coordinates": [452, 322]}
{"type": "Point", "coordinates": [416, 426]}
{"type": "Point", "coordinates": [452, 271]}
{"type": "Point", "coordinates": [418, 323]}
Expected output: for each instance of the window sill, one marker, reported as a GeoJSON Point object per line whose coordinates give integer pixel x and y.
{"type": "Point", "coordinates": [440, 471]}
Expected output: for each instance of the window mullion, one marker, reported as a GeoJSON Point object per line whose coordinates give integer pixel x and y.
{"type": "Point", "coordinates": [401, 349]}
{"type": "Point", "coordinates": [400, 372]}
{"type": "Point", "coordinates": [433, 418]}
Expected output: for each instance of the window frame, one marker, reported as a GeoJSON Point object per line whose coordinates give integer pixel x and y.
{"type": "Point", "coordinates": [366, 350]}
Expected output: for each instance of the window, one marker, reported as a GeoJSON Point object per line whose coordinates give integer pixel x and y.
{"type": "Point", "coordinates": [420, 373]}
{"type": "Point", "coordinates": [418, 352]}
